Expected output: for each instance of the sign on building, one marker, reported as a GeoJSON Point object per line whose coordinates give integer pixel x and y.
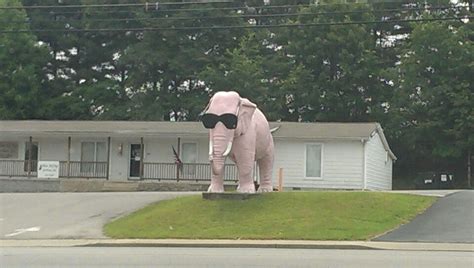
{"type": "Point", "coordinates": [48, 169]}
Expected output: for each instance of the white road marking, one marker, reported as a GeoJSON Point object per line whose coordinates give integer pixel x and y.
{"type": "Point", "coordinates": [21, 231]}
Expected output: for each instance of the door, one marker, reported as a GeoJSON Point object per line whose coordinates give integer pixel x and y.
{"type": "Point", "coordinates": [135, 160]}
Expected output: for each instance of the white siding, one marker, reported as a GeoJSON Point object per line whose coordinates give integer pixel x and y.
{"type": "Point", "coordinates": [52, 149]}
{"type": "Point", "coordinates": [160, 149]}
{"type": "Point", "coordinates": [342, 164]}
{"type": "Point", "coordinates": [119, 159]}
{"type": "Point", "coordinates": [378, 165]}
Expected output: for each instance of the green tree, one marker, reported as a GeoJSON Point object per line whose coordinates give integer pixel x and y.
{"type": "Point", "coordinates": [436, 95]}
{"type": "Point", "coordinates": [166, 64]}
{"type": "Point", "coordinates": [84, 69]}
{"type": "Point", "coordinates": [336, 74]}
{"type": "Point", "coordinates": [254, 69]}
{"type": "Point", "coordinates": [22, 59]}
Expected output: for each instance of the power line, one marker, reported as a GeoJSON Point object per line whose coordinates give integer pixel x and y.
{"type": "Point", "coordinates": [249, 16]}
{"type": "Point", "coordinates": [229, 8]}
{"type": "Point", "coordinates": [151, 5]}
{"type": "Point", "coordinates": [296, 25]}
{"type": "Point", "coordinates": [159, 10]}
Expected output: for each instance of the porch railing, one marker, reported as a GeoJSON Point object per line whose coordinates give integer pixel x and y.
{"type": "Point", "coordinates": [18, 168]}
{"type": "Point", "coordinates": [81, 169]}
{"type": "Point", "coordinates": [185, 172]}
{"type": "Point", "coordinates": [77, 169]}
{"type": "Point", "coordinates": [151, 171]}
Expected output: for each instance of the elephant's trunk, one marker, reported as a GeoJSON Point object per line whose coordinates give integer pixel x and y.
{"type": "Point", "coordinates": [220, 145]}
{"type": "Point", "coordinates": [226, 152]}
{"type": "Point", "coordinates": [220, 141]}
{"type": "Point", "coordinates": [217, 165]}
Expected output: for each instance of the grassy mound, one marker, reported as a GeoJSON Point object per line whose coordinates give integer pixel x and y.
{"type": "Point", "coordinates": [290, 215]}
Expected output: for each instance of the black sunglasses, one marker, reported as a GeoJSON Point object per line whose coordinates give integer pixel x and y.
{"type": "Point", "coordinates": [210, 120]}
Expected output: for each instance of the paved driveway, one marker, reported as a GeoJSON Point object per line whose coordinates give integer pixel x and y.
{"type": "Point", "coordinates": [68, 215]}
{"type": "Point", "coordinates": [450, 219]}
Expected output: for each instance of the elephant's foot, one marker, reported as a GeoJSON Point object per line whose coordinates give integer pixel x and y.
{"type": "Point", "coordinates": [265, 189]}
{"type": "Point", "coordinates": [246, 188]}
{"type": "Point", "coordinates": [214, 188]}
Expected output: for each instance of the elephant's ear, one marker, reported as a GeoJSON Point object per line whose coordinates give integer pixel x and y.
{"type": "Point", "coordinates": [246, 110]}
{"type": "Point", "coordinates": [205, 109]}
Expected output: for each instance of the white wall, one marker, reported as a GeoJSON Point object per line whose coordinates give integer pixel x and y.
{"type": "Point", "coordinates": [52, 148]}
{"type": "Point", "coordinates": [160, 149]}
{"type": "Point", "coordinates": [342, 164]}
{"type": "Point", "coordinates": [119, 158]}
{"type": "Point", "coordinates": [378, 165]}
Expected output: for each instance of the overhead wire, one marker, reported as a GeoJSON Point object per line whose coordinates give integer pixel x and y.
{"type": "Point", "coordinates": [151, 4]}
{"type": "Point", "coordinates": [239, 7]}
{"type": "Point", "coordinates": [222, 27]}
{"type": "Point", "coordinates": [165, 10]}
{"type": "Point", "coordinates": [249, 16]}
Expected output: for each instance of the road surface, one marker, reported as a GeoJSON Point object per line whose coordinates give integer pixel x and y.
{"type": "Point", "coordinates": [68, 215]}
{"type": "Point", "coordinates": [450, 219]}
{"type": "Point", "coordinates": [228, 257]}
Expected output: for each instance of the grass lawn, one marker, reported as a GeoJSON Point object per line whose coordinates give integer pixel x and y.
{"type": "Point", "coordinates": [288, 215]}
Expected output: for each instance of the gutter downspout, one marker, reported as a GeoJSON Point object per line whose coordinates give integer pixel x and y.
{"type": "Point", "coordinates": [364, 164]}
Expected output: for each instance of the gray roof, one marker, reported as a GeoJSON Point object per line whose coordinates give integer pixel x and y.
{"type": "Point", "coordinates": [286, 130]}
{"type": "Point", "coordinates": [125, 128]}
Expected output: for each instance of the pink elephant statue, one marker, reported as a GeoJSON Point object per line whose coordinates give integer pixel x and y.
{"type": "Point", "coordinates": [238, 129]}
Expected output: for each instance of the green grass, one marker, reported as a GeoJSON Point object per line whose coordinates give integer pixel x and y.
{"type": "Point", "coordinates": [289, 215]}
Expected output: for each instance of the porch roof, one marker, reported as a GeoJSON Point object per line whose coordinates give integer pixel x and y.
{"type": "Point", "coordinates": [113, 128]}
{"type": "Point", "coordinates": [286, 130]}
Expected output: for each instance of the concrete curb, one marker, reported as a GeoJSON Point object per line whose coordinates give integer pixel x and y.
{"type": "Point", "coordinates": [301, 244]}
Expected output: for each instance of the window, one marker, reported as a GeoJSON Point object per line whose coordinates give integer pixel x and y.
{"type": "Point", "coordinates": [189, 156]}
{"type": "Point", "coordinates": [313, 160]}
{"type": "Point", "coordinates": [91, 153]}
{"type": "Point", "coordinates": [34, 156]}
{"type": "Point", "coordinates": [8, 150]}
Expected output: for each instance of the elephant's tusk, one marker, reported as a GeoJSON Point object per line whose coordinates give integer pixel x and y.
{"type": "Point", "coordinates": [227, 150]}
{"type": "Point", "coordinates": [274, 129]}
{"type": "Point", "coordinates": [210, 147]}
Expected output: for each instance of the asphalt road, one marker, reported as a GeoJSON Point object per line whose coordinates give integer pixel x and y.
{"type": "Point", "coordinates": [450, 219]}
{"type": "Point", "coordinates": [68, 215]}
{"type": "Point", "coordinates": [227, 257]}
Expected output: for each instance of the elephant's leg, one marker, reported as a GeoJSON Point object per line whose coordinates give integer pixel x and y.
{"type": "Point", "coordinates": [217, 181]}
{"type": "Point", "coordinates": [245, 166]}
{"type": "Point", "coordinates": [265, 166]}
{"type": "Point", "coordinates": [217, 185]}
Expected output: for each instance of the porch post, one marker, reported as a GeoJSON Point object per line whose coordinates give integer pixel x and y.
{"type": "Point", "coordinates": [178, 164]}
{"type": "Point", "coordinates": [142, 153]}
{"type": "Point", "coordinates": [68, 156]}
{"type": "Point", "coordinates": [108, 158]}
{"type": "Point", "coordinates": [30, 147]}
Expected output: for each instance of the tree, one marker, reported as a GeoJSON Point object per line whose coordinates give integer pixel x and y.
{"type": "Point", "coordinates": [165, 78]}
{"type": "Point", "coordinates": [335, 74]}
{"type": "Point", "coordinates": [22, 59]}
{"type": "Point", "coordinates": [253, 69]}
{"type": "Point", "coordinates": [436, 89]}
